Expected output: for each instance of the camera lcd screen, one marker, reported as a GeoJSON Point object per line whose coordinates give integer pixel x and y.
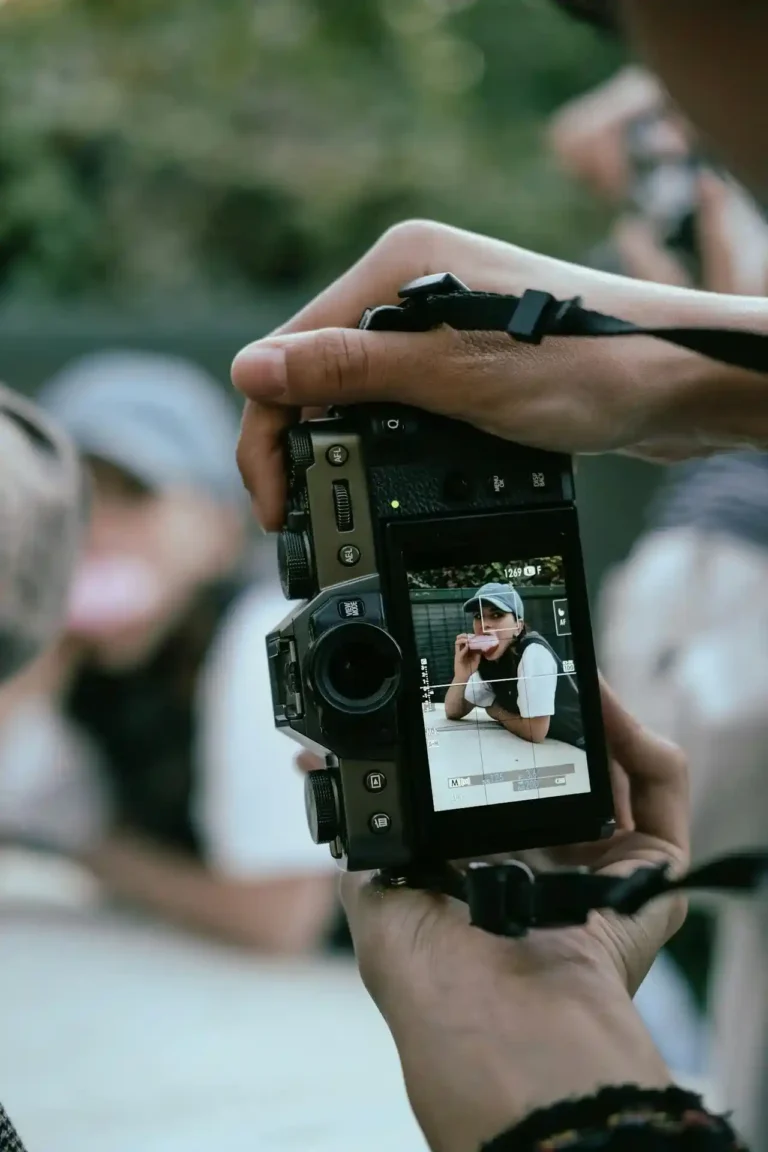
{"type": "Point", "coordinates": [498, 680]}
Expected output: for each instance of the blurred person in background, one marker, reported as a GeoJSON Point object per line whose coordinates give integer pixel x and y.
{"type": "Point", "coordinates": [697, 672]}
{"type": "Point", "coordinates": [680, 221]}
{"type": "Point", "coordinates": [144, 742]}
{"type": "Point", "coordinates": [43, 503]}
{"type": "Point", "coordinates": [696, 669]}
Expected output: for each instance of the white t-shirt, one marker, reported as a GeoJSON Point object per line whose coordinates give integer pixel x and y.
{"type": "Point", "coordinates": [249, 802]}
{"type": "Point", "coordinates": [536, 684]}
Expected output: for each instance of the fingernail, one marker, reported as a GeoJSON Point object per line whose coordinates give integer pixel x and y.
{"type": "Point", "coordinates": [261, 372]}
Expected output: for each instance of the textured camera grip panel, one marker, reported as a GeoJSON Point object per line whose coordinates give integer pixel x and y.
{"type": "Point", "coordinates": [419, 490]}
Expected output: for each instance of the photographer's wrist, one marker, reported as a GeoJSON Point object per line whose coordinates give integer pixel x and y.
{"type": "Point", "coordinates": [718, 407]}
{"type": "Point", "coordinates": [476, 1071]}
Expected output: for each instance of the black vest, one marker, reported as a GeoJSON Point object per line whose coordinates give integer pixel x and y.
{"type": "Point", "coordinates": [565, 724]}
{"type": "Point", "coordinates": [143, 724]}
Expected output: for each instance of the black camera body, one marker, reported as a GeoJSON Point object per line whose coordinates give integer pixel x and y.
{"type": "Point", "coordinates": [394, 515]}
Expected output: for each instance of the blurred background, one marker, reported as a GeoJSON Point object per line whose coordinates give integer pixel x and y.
{"type": "Point", "coordinates": [175, 180]}
{"type": "Point", "coordinates": [183, 175]}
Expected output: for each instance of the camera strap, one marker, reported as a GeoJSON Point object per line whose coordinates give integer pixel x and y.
{"type": "Point", "coordinates": [442, 299]}
{"type": "Point", "coordinates": [509, 898]}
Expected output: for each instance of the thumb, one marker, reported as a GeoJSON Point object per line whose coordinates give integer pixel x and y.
{"type": "Point", "coordinates": [340, 366]}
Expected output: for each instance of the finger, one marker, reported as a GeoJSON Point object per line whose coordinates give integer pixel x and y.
{"type": "Point", "coordinates": [260, 460]}
{"type": "Point", "coordinates": [714, 240]}
{"type": "Point", "coordinates": [656, 773]}
{"type": "Point", "coordinates": [373, 279]}
{"type": "Point", "coordinates": [347, 365]}
{"type": "Point", "coordinates": [260, 457]}
{"type": "Point", "coordinates": [308, 762]}
{"type": "Point", "coordinates": [732, 239]}
{"type": "Point", "coordinates": [643, 258]}
{"type": "Point", "coordinates": [622, 799]}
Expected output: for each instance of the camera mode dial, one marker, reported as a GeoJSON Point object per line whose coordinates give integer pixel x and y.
{"type": "Point", "coordinates": [300, 455]}
{"type": "Point", "coordinates": [295, 565]}
{"type": "Point", "coordinates": [322, 809]}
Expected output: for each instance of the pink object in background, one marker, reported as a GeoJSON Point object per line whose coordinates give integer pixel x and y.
{"type": "Point", "coordinates": [483, 643]}
{"type": "Point", "coordinates": [112, 592]}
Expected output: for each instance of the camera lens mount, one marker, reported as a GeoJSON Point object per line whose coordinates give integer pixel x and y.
{"type": "Point", "coordinates": [355, 668]}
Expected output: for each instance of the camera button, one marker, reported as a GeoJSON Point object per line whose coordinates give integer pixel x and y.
{"type": "Point", "coordinates": [351, 609]}
{"type": "Point", "coordinates": [541, 481]}
{"type": "Point", "coordinates": [337, 455]}
{"type": "Point", "coordinates": [349, 555]}
{"type": "Point", "coordinates": [375, 781]}
{"type": "Point", "coordinates": [498, 484]}
{"type": "Point", "coordinates": [380, 822]}
{"type": "Point", "coordinates": [392, 426]}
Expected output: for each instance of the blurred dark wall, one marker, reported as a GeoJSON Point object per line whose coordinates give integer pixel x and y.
{"type": "Point", "coordinates": [613, 494]}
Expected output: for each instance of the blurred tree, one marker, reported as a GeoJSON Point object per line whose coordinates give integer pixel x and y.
{"type": "Point", "coordinates": [172, 147]}
{"type": "Point", "coordinates": [549, 571]}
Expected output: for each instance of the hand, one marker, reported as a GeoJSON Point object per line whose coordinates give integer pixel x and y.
{"type": "Point", "coordinates": [588, 134]}
{"type": "Point", "coordinates": [732, 239]}
{"type": "Point", "coordinates": [567, 394]}
{"type": "Point", "coordinates": [489, 1029]}
{"type": "Point", "coordinates": [465, 662]}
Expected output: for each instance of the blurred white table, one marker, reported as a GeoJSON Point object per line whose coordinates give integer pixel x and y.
{"type": "Point", "coordinates": [478, 746]}
{"type": "Point", "coordinates": [123, 1037]}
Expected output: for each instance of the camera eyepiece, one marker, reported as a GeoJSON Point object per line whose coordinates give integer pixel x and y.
{"type": "Point", "coordinates": [355, 668]}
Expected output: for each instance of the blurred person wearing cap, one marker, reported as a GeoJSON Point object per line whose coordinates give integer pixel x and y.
{"type": "Point", "coordinates": [517, 677]}
{"type": "Point", "coordinates": [144, 743]}
{"type": "Point", "coordinates": [43, 503]}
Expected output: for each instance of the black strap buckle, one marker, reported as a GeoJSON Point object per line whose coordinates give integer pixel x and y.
{"type": "Point", "coordinates": [538, 314]}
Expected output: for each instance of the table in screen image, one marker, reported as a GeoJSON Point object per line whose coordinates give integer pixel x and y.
{"type": "Point", "coordinates": [475, 762]}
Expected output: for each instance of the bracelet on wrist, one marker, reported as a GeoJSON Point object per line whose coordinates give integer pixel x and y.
{"type": "Point", "coordinates": [619, 1117]}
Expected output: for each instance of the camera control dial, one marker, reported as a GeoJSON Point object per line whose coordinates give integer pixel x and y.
{"type": "Point", "coordinates": [322, 809]}
{"type": "Point", "coordinates": [300, 455]}
{"type": "Point", "coordinates": [295, 565]}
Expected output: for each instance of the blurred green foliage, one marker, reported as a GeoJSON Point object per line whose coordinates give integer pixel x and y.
{"type": "Point", "coordinates": [155, 148]}
{"type": "Point", "coordinates": [549, 571]}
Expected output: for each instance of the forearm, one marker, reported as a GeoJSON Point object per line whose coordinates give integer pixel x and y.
{"type": "Point", "coordinates": [278, 915]}
{"type": "Point", "coordinates": [678, 392]}
{"type": "Point", "coordinates": [456, 704]}
{"type": "Point", "coordinates": [534, 730]}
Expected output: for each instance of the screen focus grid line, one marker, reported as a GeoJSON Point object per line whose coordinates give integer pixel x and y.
{"type": "Point", "coordinates": [503, 680]}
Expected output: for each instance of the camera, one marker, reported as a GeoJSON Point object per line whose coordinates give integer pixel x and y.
{"type": "Point", "coordinates": [440, 656]}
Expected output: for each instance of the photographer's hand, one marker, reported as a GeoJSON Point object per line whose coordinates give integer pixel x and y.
{"type": "Point", "coordinates": [574, 395]}
{"type": "Point", "coordinates": [488, 1029]}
